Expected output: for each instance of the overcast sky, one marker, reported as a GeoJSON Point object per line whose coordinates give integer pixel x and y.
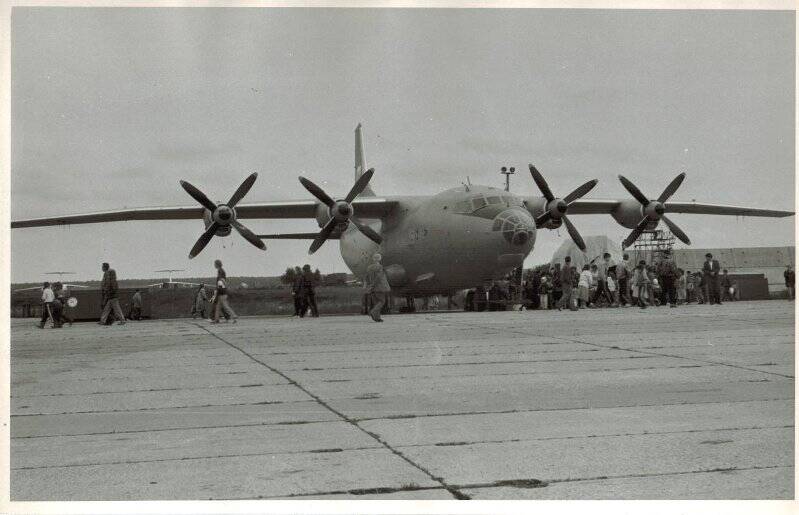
{"type": "Point", "coordinates": [111, 107]}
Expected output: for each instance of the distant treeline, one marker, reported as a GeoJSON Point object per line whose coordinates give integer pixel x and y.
{"type": "Point", "coordinates": [264, 283]}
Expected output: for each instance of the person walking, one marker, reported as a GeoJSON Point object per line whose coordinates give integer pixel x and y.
{"type": "Point", "coordinates": [566, 284]}
{"type": "Point", "coordinates": [726, 286]}
{"type": "Point", "coordinates": [221, 298]}
{"type": "Point", "coordinates": [710, 270]}
{"type": "Point", "coordinates": [602, 274]}
{"type": "Point", "coordinates": [110, 290]}
{"type": "Point", "coordinates": [135, 306]}
{"type": "Point", "coordinates": [47, 305]}
{"type": "Point", "coordinates": [583, 287]}
{"type": "Point", "coordinates": [790, 281]}
{"type": "Point", "coordinates": [198, 305]}
{"type": "Point", "coordinates": [297, 293]}
{"type": "Point", "coordinates": [640, 283]}
{"type": "Point", "coordinates": [613, 286]}
{"type": "Point", "coordinates": [667, 271]}
{"type": "Point", "coordinates": [377, 286]}
{"type": "Point", "coordinates": [62, 296]}
{"type": "Point", "coordinates": [682, 287]}
{"type": "Point", "coordinates": [623, 271]}
{"type": "Point", "coordinates": [557, 287]}
{"type": "Point", "coordinates": [308, 285]}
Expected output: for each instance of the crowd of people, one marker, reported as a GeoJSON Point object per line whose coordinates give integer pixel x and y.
{"type": "Point", "coordinates": [601, 283]}
{"type": "Point", "coordinates": [605, 283]}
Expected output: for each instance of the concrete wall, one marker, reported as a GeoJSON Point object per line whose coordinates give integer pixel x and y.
{"type": "Point", "coordinates": [769, 261]}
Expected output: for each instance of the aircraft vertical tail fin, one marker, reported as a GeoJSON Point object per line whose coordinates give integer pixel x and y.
{"type": "Point", "coordinates": [360, 161]}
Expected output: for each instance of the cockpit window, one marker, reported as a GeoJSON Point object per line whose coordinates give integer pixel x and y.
{"type": "Point", "coordinates": [478, 202]}
{"type": "Point", "coordinates": [464, 206]}
{"type": "Point", "coordinates": [494, 200]}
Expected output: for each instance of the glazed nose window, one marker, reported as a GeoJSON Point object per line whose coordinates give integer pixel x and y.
{"type": "Point", "coordinates": [515, 228]}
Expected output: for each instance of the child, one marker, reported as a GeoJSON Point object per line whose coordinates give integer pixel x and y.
{"type": "Point", "coordinates": [594, 283]}
{"type": "Point", "coordinates": [611, 283]}
{"type": "Point", "coordinates": [583, 286]}
{"type": "Point", "coordinates": [640, 283]}
{"type": "Point", "coordinates": [682, 287]}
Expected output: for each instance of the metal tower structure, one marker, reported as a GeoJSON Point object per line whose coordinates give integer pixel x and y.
{"type": "Point", "coordinates": [651, 245]}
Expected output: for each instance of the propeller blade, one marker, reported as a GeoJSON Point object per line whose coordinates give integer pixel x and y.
{"type": "Point", "coordinates": [634, 191]}
{"type": "Point", "coordinates": [541, 220]}
{"type": "Point", "coordinates": [629, 240]}
{"type": "Point", "coordinates": [203, 240]}
{"type": "Point", "coordinates": [248, 235]}
{"type": "Point", "coordinates": [579, 192]}
{"type": "Point", "coordinates": [367, 231]}
{"type": "Point", "coordinates": [574, 233]}
{"type": "Point", "coordinates": [198, 195]}
{"type": "Point", "coordinates": [671, 188]}
{"type": "Point", "coordinates": [323, 235]}
{"type": "Point", "coordinates": [317, 192]}
{"type": "Point", "coordinates": [542, 184]}
{"type": "Point", "coordinates": [359, 185]}
{"type": "Point", "coordinates": [242, 190]}
{"type": "Point", "coordinates": [676, 231]}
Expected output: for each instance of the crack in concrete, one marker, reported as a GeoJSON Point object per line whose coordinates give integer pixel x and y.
{"type": "Point", "coordinates": [659, 474]}
{"type": "Point", "coordinates": [150, 409]}
{"type": "Point", "coordinates": [639, 351]}
{"type": "Point", "coordinates": [572, 408]}
{"type": "Point", "coordinates": [454, 491]}
{"type": "Point", "coordinates": [513, 483]}
{"type": "Point", "coordinates": [371, 367]}
{"type": "Point", "coordinates": [390, 417]}
{"type": "Point", "coordinates": [612, 435]}
{"type": "Point", "coordinates": [190, 458]}
{"type": "Point", "coordinates": [189, 388]}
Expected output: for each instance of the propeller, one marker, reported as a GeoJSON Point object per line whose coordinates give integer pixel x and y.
{"type": "Point", "coordinates": [556, 208]}
{"type": "Point", "coordinates": [222, 215]}
{"type": "Point", "coordinates": [654, 210]}
{"type": "Point", "coordinates": [341, 211]}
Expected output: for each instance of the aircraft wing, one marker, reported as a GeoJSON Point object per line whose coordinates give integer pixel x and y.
{"type": "Point", "coordinates": [598, 206]}
{"type": "Point", "coordinates": [369, 207]}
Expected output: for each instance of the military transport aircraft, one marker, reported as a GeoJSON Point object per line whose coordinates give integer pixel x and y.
{"type": "Point", "coordinates": [430, 244]}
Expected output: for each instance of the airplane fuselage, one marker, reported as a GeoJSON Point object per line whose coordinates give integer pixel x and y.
{"type": "Point", "coordinates": [446, 242]}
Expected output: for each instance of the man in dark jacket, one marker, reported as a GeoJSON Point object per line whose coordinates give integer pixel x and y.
{"type": "Point", "coordinates": [557, 287]}
{"type": "Point", "coordinates": [566, 280]}
{"type": "Point", "coordinates": [710, 271]}
{"type": "Point", "coordinates": [667, 271]}
{"type": "Point", "coordinates": [297, 292]}
{"type": "Point", "coordinates": [308, 285]}
{"type": "Point", "coordinates": [109, 291]}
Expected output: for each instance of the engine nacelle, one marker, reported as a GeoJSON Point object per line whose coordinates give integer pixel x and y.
{"type": "Point", "coordinates": [322, 214]}
{"type": "Point", "coordinates": [629, 213]}
{"type": "Point", "coordinates": [208, 219]}
{"type": "Point", "coordinates": [536, 206]}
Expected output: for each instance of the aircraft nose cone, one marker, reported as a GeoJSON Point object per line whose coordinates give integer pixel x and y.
{"type": "Point", "coordinates": [562, 207]}
{"type": "Point", "coordinates": [517, 227]}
